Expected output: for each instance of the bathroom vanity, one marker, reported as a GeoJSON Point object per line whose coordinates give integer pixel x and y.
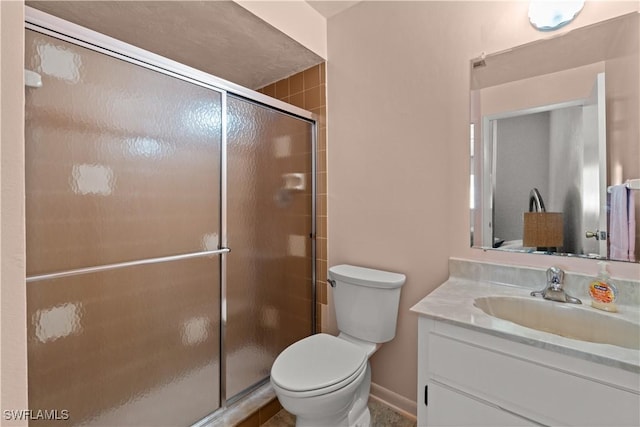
{"type": "Point", "coordinates": [478, 369]}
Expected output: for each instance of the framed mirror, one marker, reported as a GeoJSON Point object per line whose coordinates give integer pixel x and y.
{"type": "Point", "coordinates": [555, 144]}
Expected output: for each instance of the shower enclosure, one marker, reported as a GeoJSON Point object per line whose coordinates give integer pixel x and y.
{"type": "Point", "coordinates": [170, 232]}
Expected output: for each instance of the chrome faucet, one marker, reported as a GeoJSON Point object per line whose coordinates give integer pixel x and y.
{"type": "Point", "coordinates": [553, 291]}
{"type": "Point", "coordinates": [535, 201]}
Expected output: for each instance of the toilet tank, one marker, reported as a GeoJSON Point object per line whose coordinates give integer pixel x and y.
{"type": "Point", "coordinates": [366, 301]}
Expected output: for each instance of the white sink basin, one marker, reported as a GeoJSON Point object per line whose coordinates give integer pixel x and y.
{"type": "Point", "coordinates": [567, 320]}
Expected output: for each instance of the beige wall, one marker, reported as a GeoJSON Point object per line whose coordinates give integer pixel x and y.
{"type": "Point", "coordinates": [13, 363]}
{"type": "Point", "coordinates": [398, 94]}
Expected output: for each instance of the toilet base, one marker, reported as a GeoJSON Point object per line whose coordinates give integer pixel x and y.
{"type": "Point", "coordinates": [359, 414]}
{"type": "Point", "coordinates": [364, 420]}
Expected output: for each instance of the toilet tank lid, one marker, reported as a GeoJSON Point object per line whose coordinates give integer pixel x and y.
{"type": "Point", "coordinates": [366, 276]}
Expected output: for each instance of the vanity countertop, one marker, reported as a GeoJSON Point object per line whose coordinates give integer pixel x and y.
{"type": "Point", "coordinates": [453, 302]}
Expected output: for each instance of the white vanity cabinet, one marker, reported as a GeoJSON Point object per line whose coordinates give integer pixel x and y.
{"type": "Point", "coordinates": [468, 377]}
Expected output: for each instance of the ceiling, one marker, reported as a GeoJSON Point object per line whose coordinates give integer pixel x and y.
{"type": "Point", "coordinates": [218, 37]}
{"type": "Point", "coordinates": [330, 8]}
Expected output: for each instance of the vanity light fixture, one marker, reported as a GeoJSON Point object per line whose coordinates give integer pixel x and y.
{"type": "Point", "coordinates": [547, 15]}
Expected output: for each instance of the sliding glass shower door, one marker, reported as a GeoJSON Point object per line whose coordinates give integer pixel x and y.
{"type": "Point", "coordinates": [269, 279]}
{"type": "Point", "coordinates": [122, 214]}
{"type": "Point", "coordinates": [139, 180]}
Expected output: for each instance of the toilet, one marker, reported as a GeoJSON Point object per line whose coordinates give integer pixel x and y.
{"type": "Point", "coordinates": [325, 380]}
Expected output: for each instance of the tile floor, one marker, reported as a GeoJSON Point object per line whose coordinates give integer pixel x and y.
{"type": "Point", "coordinates": [381, 416]}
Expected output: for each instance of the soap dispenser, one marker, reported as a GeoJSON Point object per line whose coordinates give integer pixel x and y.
{"type": "Point", "coordinates": [602, 291]}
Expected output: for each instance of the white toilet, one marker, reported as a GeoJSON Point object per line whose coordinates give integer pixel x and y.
{"type": "Point", "coordinates": [324, 380]}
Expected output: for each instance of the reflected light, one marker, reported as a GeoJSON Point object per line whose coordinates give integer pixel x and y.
{"type": "Point", "coordinates": [590, 199]}
{"type": "Point", "coordinates": [297, 245]}
{"type": "Point", "coordinates": [472, 193]}
{"type": "Point", "coordinates": [616, 176]}
{"type": "Point", "coordinates": [92, 179]}
{"type": "Point", "coordinates": [282, 146]}
{"type": "Point", "coordinates": [145, 147]}
{"type": "Point", "coordinates": [59, 63]}
{"type": "Point", "coordinates": [195, 331]}
{"type": "Point", "coordinates": [269, 317]}
{"type": "Point", "coordinates": [203, 118]}
{"type": "Point", "coordinates": [210, 242]}
{"type": "Point", "coordinates": [57, 322]}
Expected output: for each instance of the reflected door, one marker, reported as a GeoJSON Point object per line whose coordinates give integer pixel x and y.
{"type": "Point", "coordinates": [594, 174]}
{"type": "Point", "coordinates": [122, 210]}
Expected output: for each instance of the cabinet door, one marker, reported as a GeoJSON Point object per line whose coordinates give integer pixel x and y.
{"type": "Point", "coordinates": [447, 407]}
{"type": "Point", "coordinates": [503, 373]}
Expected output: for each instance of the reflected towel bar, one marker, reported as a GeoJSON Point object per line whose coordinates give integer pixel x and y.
{"type": "Point", "coordinates": [631, 184]}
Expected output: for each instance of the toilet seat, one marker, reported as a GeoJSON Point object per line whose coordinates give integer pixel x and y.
{"type": "Point", "coordinates": [317, 365]}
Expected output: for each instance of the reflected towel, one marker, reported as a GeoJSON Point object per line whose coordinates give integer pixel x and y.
{"type": "Point", "coordinates": [622, 226]}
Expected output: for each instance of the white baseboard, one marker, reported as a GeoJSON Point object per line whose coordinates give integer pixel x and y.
{"type": "Point", "coordinates": [398, 403]}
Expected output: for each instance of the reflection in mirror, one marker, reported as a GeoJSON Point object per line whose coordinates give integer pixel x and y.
{"type": "Point", "coordinates": [558, 116]}
{"type": "Point", "coordinates": [551, 154]}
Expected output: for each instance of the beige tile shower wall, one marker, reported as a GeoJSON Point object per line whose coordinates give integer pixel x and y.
{"type": "Point", "coordinates": [307, 90]}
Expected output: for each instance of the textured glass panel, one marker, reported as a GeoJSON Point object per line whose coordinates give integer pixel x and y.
{"type": "Point", "coordinates": [132, 346]}
{"type": "Point", "coordinates": [122, 162]}
{"type": "Point", "coordinates": [269, 268]}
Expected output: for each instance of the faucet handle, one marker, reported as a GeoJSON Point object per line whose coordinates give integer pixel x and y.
{"type": "Point", "coordinates": [555, 276]}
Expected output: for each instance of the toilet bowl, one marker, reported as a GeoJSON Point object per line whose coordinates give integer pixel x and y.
{"type": "Point", "coordinates": [325, 380]}
{"type": "Point", "coordinates": [318, 379]}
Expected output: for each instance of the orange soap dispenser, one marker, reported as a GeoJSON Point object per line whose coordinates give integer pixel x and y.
{"type": "Point", "coordinates": [603, 293]}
